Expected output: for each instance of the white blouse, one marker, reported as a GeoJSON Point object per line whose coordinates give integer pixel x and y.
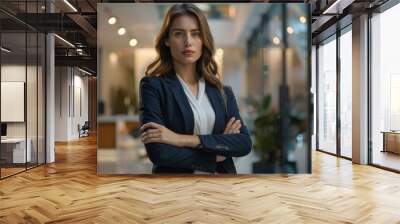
{"type": "Point", "coordinates": [203, 112]}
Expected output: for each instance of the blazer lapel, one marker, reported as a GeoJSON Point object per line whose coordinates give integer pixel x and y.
{"type": "Point", "coordinates": [217, 103]}
{"type": "Point", "coordinates": [214, 96]}
{"type": "Point", "coordinates": [183, 102]}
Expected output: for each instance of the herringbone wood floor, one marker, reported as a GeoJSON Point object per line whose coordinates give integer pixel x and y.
{"type": "Point", "coordinates": [69, 191]}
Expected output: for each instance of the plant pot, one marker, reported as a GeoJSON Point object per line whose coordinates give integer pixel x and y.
{"type": "Point", "coordinates": [266, 166]}
{"type": "Point", "coordinates": [270, 166]}
{"type": "Point", "coordinates": [289, 167]}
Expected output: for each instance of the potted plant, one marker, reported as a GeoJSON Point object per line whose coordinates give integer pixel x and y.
{"type": "Point", "coordinates": [266, 136]}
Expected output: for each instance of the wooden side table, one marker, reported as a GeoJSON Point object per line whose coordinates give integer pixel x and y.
{"type": "Point", "coordinates": [391, 141]}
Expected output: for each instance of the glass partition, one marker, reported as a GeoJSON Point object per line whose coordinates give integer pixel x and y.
{"type": "Point", "coordinates": [13, 109]}
{"type": "Point", "coordinates": [385, 89]}
{"type": "Point", "coordinates": [327, 96]}
{"type": "Point", "coordinates": [22, 91]}
{"type": "Point", "coordinates": [41, 91]}
{"type": "Point", "coordinates": [346, 93]}
{"type": "Point", "coordinates": [31, 97]}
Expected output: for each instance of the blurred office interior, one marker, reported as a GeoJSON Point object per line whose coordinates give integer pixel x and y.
{"type": "Point", "coordinates": [259, 48]}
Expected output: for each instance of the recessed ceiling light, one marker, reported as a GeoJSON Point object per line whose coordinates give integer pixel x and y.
{"type": "Point", "coordinates": [70, 5]}
{"type": "Point", "coordinates": [113, 58]}
{"type": "Point", "coordinates": [121, 31]}
{"type": "Point", "coordinates": [334, 7]}
{"type": "Point", "coordinates": [276, 40]}
{"type": "Point", "coordinates": [303, 19]}
{"type": "Point", "coordinates": [219, 52]}
{"type": "Point", "coordinates": [290, 30]}
{"type": "Point", "coordinates": [112, 20]}
{"type": "Point", "coordinates": [5, 49]}
{"type": "Point", "coordinates": [64, 40]}
{"type": "Point", "coordinates": [84, 71]}
{"type": "Point", "coordinates": [232, 11]}
{"type": "Point", "coordinates": [133, 42]}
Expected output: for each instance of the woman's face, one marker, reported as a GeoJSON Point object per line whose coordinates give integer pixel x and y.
{"type": "Point", "coordinates": [184, 40]}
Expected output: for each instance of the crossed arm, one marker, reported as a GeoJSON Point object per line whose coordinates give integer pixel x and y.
{"type": "Point", "coordinates": [168, 148]}
{"type": "Point", "coordinates": [155, 133]}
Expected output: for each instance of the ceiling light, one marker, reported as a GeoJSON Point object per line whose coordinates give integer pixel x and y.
{"type": "Point", "coordinates": [112, 20]}
{"type": "Point", "coordinates": [276, 40]}
{"type": "Point", "coordinates": [219, 52]}
{"type": "Point", "coordinates": [113, 58]}
{"type": "Point", "coordinates": [5, 49]}
{"type": "Point", "coordinates": [84, 71]}
{"type": "Point", "coordinates": [121, 31]}
{"type": "Point", "coordinates": [133, 42]}
{"type": "Point", "coordinates": [43, 7]}
{"type": "Point", "coordinates": [232, 11]}
{"type": "Point", "coordinates": [65, 41]}
{"type": "Point", "coordinates": [333, 6]}
{"type": "Point", "coordinates": [80, 45]}
{"type": "Point", "coordinates": [70, 5]}
{"type": "Point", "coordinates": [290, 30]}
{"type": "Point", "coordinates": [303, 19]}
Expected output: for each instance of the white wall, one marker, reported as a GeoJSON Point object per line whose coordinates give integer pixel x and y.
{"type": "Point", "coordinates": [80, 83]}
{"type": "Point", "coordinates": [17, 73]}
{"type": "Point", "coordinates": [12, 73]}
{"type": "Point", "coordinates": [234, 71]}
{"type": "Point", "coordinates": [143, 57]}
{"type": "Point", "coordinates": [68, 83]}
{"type": "Point", "coordinates": [33, 127]}
{"type": "Point", "coordinates": [115, 73]}
{"type": "Point", "coordinates": [61, 103]}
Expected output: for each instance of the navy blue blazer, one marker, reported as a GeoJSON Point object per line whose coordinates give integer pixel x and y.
{"type": "Point", "coordinates": [163, 101]}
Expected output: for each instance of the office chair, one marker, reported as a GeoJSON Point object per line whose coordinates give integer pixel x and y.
{"type": "Point", "coordinates": [84, 130]}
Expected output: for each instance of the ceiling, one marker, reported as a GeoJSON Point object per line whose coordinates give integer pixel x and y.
{"type": "Point", "coordinates": [75, 23]}
{"type": "Point", "coordinates": [142, 22]}
{"type": "Point", "coordinates": [330, 15]}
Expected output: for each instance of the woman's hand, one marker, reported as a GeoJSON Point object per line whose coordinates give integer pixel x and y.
{"type": "Point", "coordinates": [233, 127]}
{"type": "Point", "coordinates": [220, 158]}
{"type": "Point", "coordinates": [153, 132]}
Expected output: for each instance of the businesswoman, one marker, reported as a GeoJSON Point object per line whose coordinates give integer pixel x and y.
{"type": "Point", "coordinates": [190, 121]}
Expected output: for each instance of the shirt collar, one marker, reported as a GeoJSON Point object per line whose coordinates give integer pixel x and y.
{"type": "Point", "coordinates": [201, 87]}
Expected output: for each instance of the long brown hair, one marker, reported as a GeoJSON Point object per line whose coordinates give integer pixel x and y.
{"type": "Point", "coordinates": [205, 66]}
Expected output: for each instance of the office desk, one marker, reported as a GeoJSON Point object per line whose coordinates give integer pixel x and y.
{"type": "Point", "coordinates": [391, 141]}
{"type": "Point", "coordinates": [110, 127]}
{"type": "Point", "coordinates": [15, 148]}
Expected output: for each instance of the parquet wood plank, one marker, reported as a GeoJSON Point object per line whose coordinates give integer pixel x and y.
{"type": "Point", "coordinates": [70, 191]}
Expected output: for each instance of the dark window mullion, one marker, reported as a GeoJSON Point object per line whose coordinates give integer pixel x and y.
{"type": "Point", "coordinates": [338, 98]}
{"type": "Point", "coordinates": [37, 91]}
{"type": "Point", "coordinates": [0, 94]}
{"type": "Point", "coordinates": [26, 87]}
{"type": "Point", "coordinates": [369, 91]}
{"type": "Point", "coordinates": [316, 97]}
